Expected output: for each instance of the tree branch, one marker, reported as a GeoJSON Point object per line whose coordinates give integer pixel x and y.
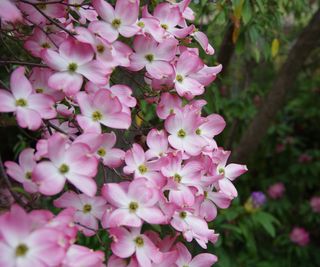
{"type": "Point", "coordinates": [276, 98]}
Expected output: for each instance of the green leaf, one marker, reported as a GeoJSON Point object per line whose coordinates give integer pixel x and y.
{"type": "Point", "coordinates": [246, 12]}
{"type": "Point", "coordinates": [267, 221]}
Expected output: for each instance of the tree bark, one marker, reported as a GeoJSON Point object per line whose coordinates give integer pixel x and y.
{"type": "Point", "coordinates": [226, 49]}
{"type": "Point", "coordinates": [307, 41]}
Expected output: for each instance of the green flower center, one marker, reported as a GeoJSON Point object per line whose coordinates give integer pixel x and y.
{"type": "Point", "coordinates": [205, 193]}
{"type": "Point", "coordinates": [28, 175]}
{"type": "Point", "coordinates": [96, 116]}
{"type": "Point", "coordinates": [72, 67]}
{"type": "Point", "coordinates": [221, 171]}
{"type": "Point", "coordinates": [101, 152]}
{"type": "Point", "coordinates": [64, 169]}
{"type": "Point", "coordinates": [182, 133]}
{"type": "Point", "coordinates": [116, 23]}
{"type": "Point", "coordinates": [198, 131]}
{"type": "Point", "coordinates": [42, 6]}
{"type": "Point", "coordinates": [139, 241]}
{"type": "Point", "coordinates": [177, 178]}
{"type": "Point", "coordinates": [45, 45]}
{"type": "Point", "coordinates": [142, 169]}
{"type": "Point", "coordinates": [86, 208]}
{"type": "Point", "coordinates": [21, 250]}
{"type": "Point", "coordinates": [140, 24]}
{"type": "Point", "coordinates": [21, 102]}
{"type": "Point", "coordinates": [100, 48]}
{"type": "Point", "coordinates": [39, 90]}
{"type": "Point", "coordinates": [182, 214]}
{"type": "Point", "coordinates": [164, 26]}
{"type": "Point", "coordinates": [149, 57]}
{"type": "Point", "coordinates": [133, 206]}
{"type": "Point", "coordinates": [179, 78]}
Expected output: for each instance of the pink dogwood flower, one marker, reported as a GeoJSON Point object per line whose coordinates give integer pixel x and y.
{"type": "Point", "coordinates": [21, 245]}
{"type": "Point", "coordinates": [127, 243]}
{"type": "Point", "coordinates": [73, 62]}
{"type": "Point", "coordinates": [30, 108]}
{"type": "Point", "coordinates": [88, 210]}
{"type": "Point", "coordinates": [157, 142]}
{"type": "Point", "coordinates": [115, 21]}
{"type": "Point", "coordinates": [66, 162]}
{"type": "Point", "coordinates": [22, 173]}
{"type": "Point", "coordinates": [300, 236]}
{"type": "Point", "coordinates": [168, 105]}
{"type": "Point", "coordinates": [101, 108]}
{"type": "Point", "coordinates": [134, 205]}
{"type": "Point", "coordinates": [201, 260]}
{"type": "Point", "coordinates": [153, 56]}
{"type": "Point", "coordinates": [9, 12]}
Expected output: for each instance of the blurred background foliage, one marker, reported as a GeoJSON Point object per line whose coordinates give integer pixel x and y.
{"type": "Point", "coordinates": [252, 39]}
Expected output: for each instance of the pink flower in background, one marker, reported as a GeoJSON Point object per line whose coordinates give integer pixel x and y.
{"type": "Point", "coordinates": [300, 236]}
{"type": "Point", "coordinates": [304, 158]}
{"type": "Point", "coordinates": [315, 204]}
{"type": "Point", "coordinates": [22, 173]}
{"type": "Point", "coordinates": [276, 190]}
{"type": "Point", "coordinates": [70, 162]}
{"type": "Point", "coordinates": [88, 210]}
{"type": "Point", "coordinates": [30, 108]}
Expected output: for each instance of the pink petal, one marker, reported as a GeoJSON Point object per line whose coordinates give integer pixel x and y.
{"type": "Point", "coordinates": [128, 11]}
{"type": "Point", "coordinates": [85, 184]}
{"type": "Point", "coordinates": [69, 83]}
{"type": "Point", "coordinates": [159, 69]}
{"type": "Point", "coordinates": [43, 104]}
{"type": "Point", "coordinates": [115, 195]}
{"type": "Point", "coordinates": [28, 118]}
{"type": "Point", "coordinates": [203, 260]}
{"type": "Point", "coordinates": [123, 217]}
{"type": "Point", "coordinates": [20, 86]}
{"type": "Point", "coordinates": [232, 170]}
{"type": "Point", "coordinates": [123, 245]}
{"type": "Point", "coordinates": [54, 60]}
{"type": "Point", "coordinates": [7, 102]}
{"type": "Point", "coordinates": [68, 199]}
{"type": "Point", "coordinates": [151, 215]}
{"type": "Point", "coordinates": [95, 72]}
{"type": "Point", "coordinates": [104, 9]}
{"type": "Point", "coordinates": [105, 30]}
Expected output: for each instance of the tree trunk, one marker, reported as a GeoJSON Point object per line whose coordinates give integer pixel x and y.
{"type": "Point", "coordinates": [307, 41]}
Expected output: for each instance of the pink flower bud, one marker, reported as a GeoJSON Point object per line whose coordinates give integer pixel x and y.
{"type": "Point", "coordinates": [300, 236]}
{"type": "Point", "coordinates": [276, 190]}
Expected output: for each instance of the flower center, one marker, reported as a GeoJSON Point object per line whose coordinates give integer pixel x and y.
{"type": "Point", "coordinates": [139, 241]}
{"type": "Point", "coordinates": [142, 169]}
{"type": "Point", "coordinates": [39, 90]}
{"type": "Point", "coordinates": [100, 48]}
{"type": "Point", "coordinates": [149, 57]}
{"type": "Point", "coordinates": [182, 133]}
{"type": "Point", "coordinates": [96, 116]}
{"type": "Point", "coordinates": [133, 206]}
{"type": "Point", "coordinates": [140, 24]}
{"type": "Point", "coordinates": [164, 26]}
{"type": "Point", "coordinates": [198, 131]}
{"type": "Point", "coordinates": [205, 193]}
{"type": "Point", "coordinates": [182, 214]}
{"type": "Point", "coordinates": [221, 171]}
{"type": "Point", "coordinates": [72, 67]}
{"type": "Point", "coordinates": [21, 250]}
{"type": "Point", "coordinates": [21, 102]}
{"type": "Point", "coordinates": [177, 178]}
{"type": "Point", "coordinates": [45, 45]}
{"type": "Point", "coordinates": [116, 23]}
{"type": "Point", "coordinates": [42, 6]}
{"type": "Point", "coordinates": [64, 169]}
{"type": "Point", "coordinates": [28, 175]}
{"type": "Point", "coordinates": [86, 208]}
{"type": "Point", "coordinates": [179, 78]}
{"type": "Point", "coordinates": [101, 152]}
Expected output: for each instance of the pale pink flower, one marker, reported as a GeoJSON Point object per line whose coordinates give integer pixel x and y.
{"type": "Point", "coordinates": [300, 236]}
{"type": "Point", "coordinates": [157, 142]}
{"type": "Point", "coordinates": [83, 256]}
{"type": "Point", "coordinates": [30, 108]}
{"type": "Point", "coordinates": [22, 173]}
{"type": "Point", "coordinates": [88, 210]}
{"type": "Point", "coordinates": [153, 56]}
{"type": "Point", "coordinates": [115, 261]}
{"type": "Point", "coordinates": [127, 243]}
{"type": "Point", "coordinates": [73, 62]}
{"type": "Point", "coordinates": [134, 205]}
{"type": "Point", "coordinates": [202, 39]}
{"type": "Point", "coordinates": [20, 245]}
{"type": "Point", "coordinates": [66, 162]}
{"type": "Point", "coordinates": [168, 105]}
{"type": "Point", "coordinates": [9, 12]}
{"type": "Point", "coordinates": [276, 190]}
{"type": "Point", "coordinates": [201, 260]}
{"type": "Point", "coordinates": [120, 20]}
{"type": "Point", "coordinates": [206, 75]}
{"type": "Point", "coordinates": [101, 108]}
{"type": "Point", "coordinates": [151, 26]}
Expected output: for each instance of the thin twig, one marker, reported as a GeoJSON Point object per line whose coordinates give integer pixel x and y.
{"type": "Point", "coordinates": [48, 123]}
{"type": "Point", "coordinates": [6, 62]}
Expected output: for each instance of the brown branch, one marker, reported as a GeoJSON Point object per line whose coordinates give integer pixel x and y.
{"type": "Point", "coordinates": [16, 62]}
{"type": "Point", "coordinates": [307, 41]}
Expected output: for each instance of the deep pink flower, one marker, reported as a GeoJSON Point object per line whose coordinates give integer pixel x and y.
{"type": "Point", "coordinates": [315, 204]}
{"type": "Point", "coordinates": [300, 236]}
{"type": "Point", "coordinates": [101, 108]}
{"type": "Point", "coordinates": [30, 108]}
{"type": "Point", "coordinates": [276, 190]}
{"type": "Point", "coordinates": [67, 162]}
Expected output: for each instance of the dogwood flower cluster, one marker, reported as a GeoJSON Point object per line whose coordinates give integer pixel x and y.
{"type": "Point", "coordinates": [177, 178]}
